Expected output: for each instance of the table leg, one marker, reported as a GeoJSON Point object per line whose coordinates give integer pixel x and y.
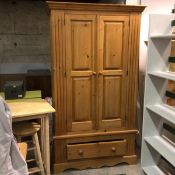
{"type": "Point", "coordinates": [45, 147]}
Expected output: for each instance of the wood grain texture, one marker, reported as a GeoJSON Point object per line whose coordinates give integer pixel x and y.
{"type": "Point", "coordinates": [29, 107]}
{"type": "Point", "coordinates": [119, 132]}
{"type": "Point", "coordinates": [35, 109]}
{"type": "Point", "coordinates": [94, 7]}
{"type": "Point", "coordinates": [62, 142]}
{"type": "Point", "coordinates": [133, 68]}
{"type": "Point", "coordinates": [112, 58]}
{"type": "Point", "coordinates": [95, 57]}
{"type": "Point", "coordinates": [107, 137]}
{"type": "Point", "coordinates": [94, 150]}
{"type": "Point", "coordinates": [80, 65]}
{"type": "Point", "coordinates": [95, 163]}
{"type": "Point", "coordinates": [39, 157]}
{"type": "Point", "coordinates": [60, 151]}
{"type": "Point", "coordinates": [58, 64]}
{"type": "Point", "coordinates": [23, 149]}
{"type": "Point", "coordinates": [22, 129]}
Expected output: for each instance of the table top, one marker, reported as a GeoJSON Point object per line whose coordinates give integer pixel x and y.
{"type": "Point", "coordinates": [29, 107]}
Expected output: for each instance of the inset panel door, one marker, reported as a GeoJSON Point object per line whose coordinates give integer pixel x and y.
{"type": "Point", "coordinates": [81, 72]}
{"type": "Point", "coordinates": [112, 71]}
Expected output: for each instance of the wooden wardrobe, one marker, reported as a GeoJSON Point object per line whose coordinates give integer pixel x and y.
{"type": "Point", "coordinates": [95, 54]}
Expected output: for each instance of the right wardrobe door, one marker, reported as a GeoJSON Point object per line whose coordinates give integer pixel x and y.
{"type": "Point", "coordinates": [112, 71]}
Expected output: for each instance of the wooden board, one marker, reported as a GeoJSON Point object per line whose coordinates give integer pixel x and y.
{"type": "Point", "coordinates": [29, 107]}
{"type": "Point", "coordinates": [95, 163]}
{"type": "Point", "coordinates": [99, 149]}
{"type": "Point", "coordinates": [112, 70]}
{"type": "Point", "coordinates": [80, 46]}
{"type": "Point", "coordinates": [23, 149]}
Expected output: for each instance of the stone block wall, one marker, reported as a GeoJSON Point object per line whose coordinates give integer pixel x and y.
{"type": "Point", "coordinates": [24, 36]}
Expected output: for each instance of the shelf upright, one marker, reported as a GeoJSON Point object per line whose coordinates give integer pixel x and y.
{"type": "Point", "coordinates": [156, 112]}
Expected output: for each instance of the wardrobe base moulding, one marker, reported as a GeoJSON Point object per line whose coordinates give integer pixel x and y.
{"type": "Point", "coordinates": [95, 163]}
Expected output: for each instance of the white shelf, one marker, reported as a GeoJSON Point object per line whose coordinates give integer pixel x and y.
{"type": "Point", "coordinates": [162, 74]}
{"type": "Point", "coordinates": [162, 147]}
{"type": "Point", "coordinates": [166, 36]}
{"type": "Point", "coordinates": [164, 111]}
{"type": "Point", "coordinates": [152, 170]}
{"type": "Point", "coordinates": [155, 112]}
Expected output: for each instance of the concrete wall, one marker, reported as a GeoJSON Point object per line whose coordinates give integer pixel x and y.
{"type": "Point", "coordinates": [24, 36]}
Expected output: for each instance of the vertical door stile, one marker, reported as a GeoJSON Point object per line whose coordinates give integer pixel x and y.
{"type": "Point", "coordinates": [64, 70]}
{"type": "Point", "coordinates": [57, 62]}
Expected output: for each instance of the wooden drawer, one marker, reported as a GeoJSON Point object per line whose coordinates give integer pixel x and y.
{"type": "Point", "coordinates": [99, 149]}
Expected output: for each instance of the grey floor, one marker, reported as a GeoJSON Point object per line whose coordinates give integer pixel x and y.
{"type": "Point", "coordinates": [115, 170]}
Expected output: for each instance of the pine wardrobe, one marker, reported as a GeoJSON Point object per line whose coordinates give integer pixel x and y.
{"type": "Point", "coordinates": [95, 54]}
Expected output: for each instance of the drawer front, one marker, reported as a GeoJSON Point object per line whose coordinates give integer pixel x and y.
{"type": "Point", "coordinates": [100, 149]}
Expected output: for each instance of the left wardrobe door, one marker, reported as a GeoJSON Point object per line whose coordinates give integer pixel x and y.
{"type": "Point", "coordinates": [80, 72]}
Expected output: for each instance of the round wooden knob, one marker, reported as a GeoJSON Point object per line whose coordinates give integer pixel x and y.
{"type": "Point", "coordinates": [80, 152]}
{"type": "Point", "coordinates": [113, 149]}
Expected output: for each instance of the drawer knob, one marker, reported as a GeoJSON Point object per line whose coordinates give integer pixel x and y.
{"type": "Point", "coordinates": [94, 73]}
{"type": "Point", "coordinates": [113, 149]}
{"type": "Point", "coordinates": [80, 152]}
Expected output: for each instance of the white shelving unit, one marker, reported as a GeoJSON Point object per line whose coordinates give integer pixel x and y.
{"type": "Point", "coordinates": [156, 112]}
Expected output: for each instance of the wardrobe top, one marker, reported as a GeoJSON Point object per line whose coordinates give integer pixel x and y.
{"type": "Point", "coordinates": [94, 7]}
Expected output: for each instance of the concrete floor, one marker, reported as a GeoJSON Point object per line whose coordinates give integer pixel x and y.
{"type": "Point", "coordinates": [115, 170]}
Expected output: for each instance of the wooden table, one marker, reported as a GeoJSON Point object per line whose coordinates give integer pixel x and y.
{"type": "Point", "coordinates": [29, 109]}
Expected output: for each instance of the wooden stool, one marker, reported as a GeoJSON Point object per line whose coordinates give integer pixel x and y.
{"type": "Point", "coordinates": [23, 129]}
{"type": "Point", "coordinates": [23, 149]}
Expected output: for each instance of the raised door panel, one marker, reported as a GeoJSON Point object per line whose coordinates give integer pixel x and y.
{"type": "Point", "coordinates": [112, 95]}
{"type": "Point", "coordinates": [112, 71]}
{"type": "Point", "coordinates": [81, 45]}
{"type": "Point", "coordinates": [113, 37]}
{"type": "Point", "coordinates": [81, 94]}
{"type": "Point", "coordinates": [80, 70]}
